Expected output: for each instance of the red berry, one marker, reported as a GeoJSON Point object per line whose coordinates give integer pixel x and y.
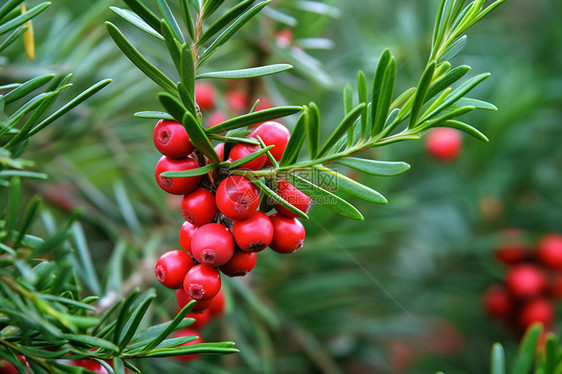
{"type": "Point", "coordinates": [253, 234]}
{"type": "Point", "coordinates": [550, 251]}
{"type": "Point", "coordinates": [172, 267]}
{"type": "Point", "coordinates": [171, 139]}
{"type": "Point", "coordinates": [199, 207]}
{"type": "Point", "coordinates": [264, 104]}
{"type": "Point", "coordinates": [497, 302]}
{"type": "Point", "coordinates": [510, 255]}
{"type": "Point", "coordinates": [217, 306]}
{"type": "Point", "coordinates": [555, 286]}
{"type": "Point", "coordinates": [293, 196]}
{"type": "Point", "coordinates": [237, 101]}
{"type": "Point", "coordinates": [219, 148]}
{"type": "Point", "coordinates": [212, 244]}
{"type": "Point", "coordinates": [237, 198]}
{"type": "Point", "coordinates": [284, 38]}
{"type": "Point", "coordinates": [444, 143]}
{"type": "Point", "coordinates": [240, 264]}
{"type": "Point", "coordinates": [176, 186]}
{"type": "Point", "coordinates": [242, 150]}
{"type": "Point", "coordinates": [205, 96]}
{"type": "Point", "coordinates": [215, 118]}
{"type": "Point", "coordinates": [186, 233]}
{"type": "Point", "coordinates": [525, 281]}
{"type": "Point", "coordinates": [201, 319]}
{"type": "Point", "coordinates": [188, 332]}
{"type": "Point", "coordinates": [183, 299]}
{"type": "Point", "coordinates": [90, 364]}
{"type": "Point", "coordinates": [538, 310]}
{"type": "Point", "coordinates": [202, 282]}
{"type": "Point", "coordinates": [288, 234]}
{"type": "Point", "coordinates": [273, 133]}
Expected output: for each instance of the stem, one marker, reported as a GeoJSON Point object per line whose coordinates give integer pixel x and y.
{"type": "Point", "coordinates": [195, 45]}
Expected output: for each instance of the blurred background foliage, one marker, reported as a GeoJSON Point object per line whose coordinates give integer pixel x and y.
{"type": "Point", "coordinates": [400, 291]}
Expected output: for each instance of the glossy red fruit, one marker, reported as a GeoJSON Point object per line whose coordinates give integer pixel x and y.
{"type": "Point", "coordinates": [284, 38]}
{"type": "Point", "coordinates": [172, 267]}
{"type": "Point", "coordinates": [510, 255]}
{"type": "Point", "coordinates": [444, 143]}
{"type": "Point", "coordinates": [201, 319]}
{"type": "Point", "coordinates": [189, 332]}
{"type": "Point", "coordinates": [497, 302]}
{"type": "Point", "coordinates": [171, 139]}
{"type": "Point", "coordinates": [202, 282]}
{"type": "Point", "coordinates": [288, 234]}
{"type": "Point", "coordinates": [525, 281]}
{"type": "Point", "coordinates": [205, 96]}
{"type": "Point", "coordinates": [199, 207]}
{"type": "Point", "coordinates": [218, 305]}
{"type": "Point", "coordinates": [293, 196]}
{"type": "Point", "coordinates": [215, 118]}
{"type": "Point", "coordinates": [273, 133]}
{"type": "Point", "coordinates": [212, 244]}
{"type": "Point", "coordinates": [240, 264]}
{"type": "Point", "coordinates": [183, 298]}
{"type": "Point", "coordinates": [538, 310]}
{"type": "Point", "coordinates": [91, 365]}
{"type": "Point", "coordinates": [242, 150]}
{"type": "Point", "coordinates": [253, 234]}
{"type": "Point", "coordinates": [219, 148]}
{"type": "Point", "coordinates": [550, 251]}
{"type": "Point", "coordinates": [237, 101]}
{"type": "Point", "coordinates": [176, 186]}
{"type": "Point", "coordinates": [6, 367]}
{"type": "Point", "coordinates": [237, 198]}
{"type": "Point", "coordinates": [186, 234]}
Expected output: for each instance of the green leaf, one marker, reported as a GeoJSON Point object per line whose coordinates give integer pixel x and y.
{"type": "Point", "coordinates": [526, 354]}
{"type": "Point", "coordinates": [458, 93]}
{"type": "Point", "coordinates": [143, 12]}
{"type": "Point", "coordinates": [210, 6]}
{"type": "Point", "coordinates": [187, 74]}
{"type": "Point", "coordinates": [421, 92]}
{"type": "Point", "coordinates": [189, 173]}
{"type": "Point", "coordinates": [174, 48]}
{"type": "Point", "coordinates": [362, 91]}
{"type": "Point", "coordinates": [253, 118]}
{"type": "Point", "coordinates": [69, 106]}
{"type": "Point", "coordinates": [170, 20]}
{"type": "Point", "coordinates": [28, 218]}
{"type": "Point", "coordinates": [275, 197]}
{"type": "Point", "coordinates": [374, 167]}
{"type": "Point", "coordinates": [378, 80]}
{"type": "Point", "coordinates": [198, 137]}
{"type": "Point", "coordinates": [27, 87]}
{"type": "Point", "coordinates": [344, 125]}
{"type": "Point", "coordinates": [313, 130]}
{"type": "Point", "coordinates": [186, 13]}
{"type": "Point", "coordinates": [447, 80]}
{"type": "Point", "coordinates": [15, 35]}
{"type": "Point", "coordinates": [124, 315]}
{"type": "Point", "coordinates": [136, 21]}
{"type": "Point", "coordinates": [187, 98]}
{"type": "Point", "coordinates": [150, 114]}
{"type": "Point", "coordinates": [477, 104]}
{"type": "Point", "coordinates": [551, 353]}
{"type": "Point", "coordinates": [91, 341]}
{"type": "Point", "coordinates": [226, 19]}
{"type": "Point", "coordinates": [498, 360]}
{"type": "Point", "coordinates": [136, 58]}
{"type": "Point", "coordinates": [445, 117]}
{"type": "Point", "coordinates": [8, 6]}
{"type": "Point", "coordinates": [170, 327]}
{"type": "Point", "coordinates": [136, 318]}
{"type": "Point", "coordinates": [172, 105]}
{"type": "Point", "coordinates": [345, 184]}
{"type": "Point", "coordinates": [230, 31]}
{"type": "Point", "coordinates": [246, 73]}
{"type": "Point", "coordinates": [294, 146]}
{"type": "Point", "coordinates": [385, 96]}
{"type": "Point", "coordinates": [14, 202]}
{"type": "Point", "coordinates": [326, 198]}
{"type": "Point", "coordinates": [466, 128]}
{"type": "Point", "coordinates": [201, 348]}
{"type": "Point", "coordinates": [453, 49]}
{"type": "Point", "coordinates": [249, 158]}
{"type": "Point", "coordinates": [23, 18]}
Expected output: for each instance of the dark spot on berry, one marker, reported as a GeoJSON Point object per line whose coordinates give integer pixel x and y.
{"type": "Point", "coordinates": [209, 256]}
{"type": "Point", "coordinates": [164, 136]}
{"type": "Point", "coordinates": [256, 246]}
{"type": "Point", "coordinates": [196, 291]}
{"type": "Point", "coordinates": [160, 274]}
{"type": "Point", "coordinates": [166, 182]}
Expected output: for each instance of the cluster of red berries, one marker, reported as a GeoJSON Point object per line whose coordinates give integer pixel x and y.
{"type": "Point", "coordinates": [223, 228]}
{"type": "Point", "coordinates": [532, 283]}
